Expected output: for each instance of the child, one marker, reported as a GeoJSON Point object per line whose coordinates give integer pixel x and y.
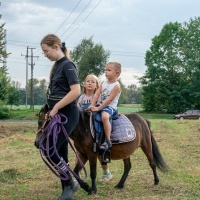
{"type": "Point", "coordinates": [90, 85]}
{"type": "Point", "coordinates": [109, 92]}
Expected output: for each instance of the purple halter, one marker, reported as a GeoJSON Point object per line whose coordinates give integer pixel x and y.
{"type": "Point", "coordinates": [52, 130]}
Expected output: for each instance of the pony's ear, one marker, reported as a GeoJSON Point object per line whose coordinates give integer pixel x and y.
{"type": "Point", "coordinates": [45, 108]}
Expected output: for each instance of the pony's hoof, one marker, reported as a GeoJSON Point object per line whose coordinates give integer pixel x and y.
{"type": "Point", "coordinates": [119, 186]}
{"type": "Point", "coordinates": [92, 192]}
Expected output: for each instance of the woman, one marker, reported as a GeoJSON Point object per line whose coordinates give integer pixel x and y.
{"type": "Point", "coordinates": [63, 90]}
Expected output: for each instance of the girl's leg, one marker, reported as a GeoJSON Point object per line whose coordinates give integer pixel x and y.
{"type": "Point", "coordinates": [106, 176]}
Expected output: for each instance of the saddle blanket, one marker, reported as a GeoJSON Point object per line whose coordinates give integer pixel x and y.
{"type": "Point", "coordinates": [122, 130]}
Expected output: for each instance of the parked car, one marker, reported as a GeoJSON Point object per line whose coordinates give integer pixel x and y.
{"type": "Point", "coordinates": [189, 114]}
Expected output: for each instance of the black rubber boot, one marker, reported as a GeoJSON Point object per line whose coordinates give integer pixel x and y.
{"type": "Point", "coordinates": [68, 187]}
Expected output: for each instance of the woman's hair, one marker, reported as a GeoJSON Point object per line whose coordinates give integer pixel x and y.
{"type": "Point", "coordinates": [51, 40]}
{"type": "Point", "coordinates": [96, 79]}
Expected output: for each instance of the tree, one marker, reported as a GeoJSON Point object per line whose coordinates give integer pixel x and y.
{"type": "Point", "coordinates": [124, 94]}
{"type": "Point", "coordinates": [4, 79]}
{"type": "Point", "coordinates": [172, 67]}
{"type": "Point", "coordinates": [39, 91]}
{"type": "Point", "coordinates": [13, 96]}
{"type": "Point", "coordinates": [134, 94]}
{"type": "Point", "coordinates": [4, 83]}
{"type": "Point", "coordinates": [3, 53]}
{"type": "Point", "coordinates": [89, 58]}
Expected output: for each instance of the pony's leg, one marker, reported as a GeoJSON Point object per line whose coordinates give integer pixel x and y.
{"type": "Point", "coordinates": [147, 149]}
{"type": "Point", "coordinates": [78, 166]}
{"type": "Point", "coordinates": [77, 169]}
{"type": "Point", "coordinates": [93, 171]}
{"type": "Point", "coordinates": [127, 167]}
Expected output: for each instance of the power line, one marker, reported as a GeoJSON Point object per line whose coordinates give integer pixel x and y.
{"type": "Point", "coordinates": [68, 16]}
{"type": "Point", "coordinates": [83, 20]}
{"type": "Point", "coordinates": [22, 42]}
{"type": "Point", "coordinates": [76, 18]}
{"type": "Point", "coordinates": [117, 54]}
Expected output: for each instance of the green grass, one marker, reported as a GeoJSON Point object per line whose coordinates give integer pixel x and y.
{"type": "Point", "coordinates": [129, 108]}
{"type": "Point", "coordinates": [23, 175]}
{"type": "Point", "coordinates": [24, 113]}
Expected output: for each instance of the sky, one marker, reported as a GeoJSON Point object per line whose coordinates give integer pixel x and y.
{"type": "Point", "coordinates": [124, 27]}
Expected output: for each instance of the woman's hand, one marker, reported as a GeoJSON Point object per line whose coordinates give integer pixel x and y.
{"type": "Point", "coordinates": [53, 112]}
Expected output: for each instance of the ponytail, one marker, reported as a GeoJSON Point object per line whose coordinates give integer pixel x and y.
{"type": "Point", "coordinates": [65, 51]}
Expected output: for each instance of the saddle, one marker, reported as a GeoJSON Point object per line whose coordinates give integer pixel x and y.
{"type": "Point", "coordinates": [99, 135]}
{"type": "Point", "coordinates": [122, 130]}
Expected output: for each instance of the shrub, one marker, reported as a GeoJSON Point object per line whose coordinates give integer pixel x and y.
{"type": "Point", "coordinates": [4, 111]}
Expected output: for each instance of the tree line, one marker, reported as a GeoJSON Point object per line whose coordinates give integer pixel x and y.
{"type": "Point", "coordinates": [18, 96]}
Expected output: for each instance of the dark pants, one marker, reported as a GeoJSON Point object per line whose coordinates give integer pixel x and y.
{"type": "Point", "coordinates": [72, 114]}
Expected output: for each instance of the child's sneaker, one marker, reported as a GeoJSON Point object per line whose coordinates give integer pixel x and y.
{"type": "Point", "coordinates": [106, 178]}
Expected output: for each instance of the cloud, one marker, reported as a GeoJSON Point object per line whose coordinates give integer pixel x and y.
{"type": "Point", "coordinates": [124, 27]}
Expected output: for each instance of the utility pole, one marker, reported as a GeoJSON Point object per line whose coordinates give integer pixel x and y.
{"type": "Point", "coordinates": [32, 65]}
{"type": "Point", "coordinates": [26, 56]}
{"type": "Point", "coordinates": [31, 84]}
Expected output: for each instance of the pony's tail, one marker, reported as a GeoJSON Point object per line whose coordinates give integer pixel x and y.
{"type": "Point", "coordinates": [158, 159]}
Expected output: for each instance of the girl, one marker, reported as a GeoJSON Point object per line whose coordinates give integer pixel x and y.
{"type": "Point", "coordinates": [90, 85]}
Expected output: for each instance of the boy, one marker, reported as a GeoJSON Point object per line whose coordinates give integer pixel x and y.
{"type": "Point", "coordinates": [109, 92]}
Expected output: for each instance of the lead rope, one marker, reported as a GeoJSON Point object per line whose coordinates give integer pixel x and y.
{"type": "Point", "coordinates": [53, 128]}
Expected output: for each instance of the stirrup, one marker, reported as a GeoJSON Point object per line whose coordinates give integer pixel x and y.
{"type": "Point", "coordinates": [106, 156]}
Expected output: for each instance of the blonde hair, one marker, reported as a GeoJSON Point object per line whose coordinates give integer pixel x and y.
{"type": "Point", "coordinates": [116, 65]}
{"type": "Point", "coordinates": [51, 40]}
{"type": "Point", "coordinates": [96, 79]}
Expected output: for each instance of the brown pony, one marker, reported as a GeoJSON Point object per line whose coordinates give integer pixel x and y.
{"type": "Point", "coordinates": [83, 142]}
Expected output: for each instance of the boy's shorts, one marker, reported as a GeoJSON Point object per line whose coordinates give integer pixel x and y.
{"type": "Point", "coordinates": [111, 111]}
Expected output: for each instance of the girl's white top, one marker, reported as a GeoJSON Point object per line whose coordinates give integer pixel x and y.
{"type": "Point", "coordinates": [105, 92]}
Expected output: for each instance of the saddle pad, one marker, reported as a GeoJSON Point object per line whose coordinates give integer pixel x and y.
{"type": "Point", "coordinates": [122, 130]}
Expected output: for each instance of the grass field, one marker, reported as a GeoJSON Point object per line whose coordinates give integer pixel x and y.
{"type": "Point", "coordinates": [23, 175]}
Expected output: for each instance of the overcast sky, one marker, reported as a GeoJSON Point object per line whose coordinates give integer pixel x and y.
{"type": "Point", "coordinates": [124, 27]}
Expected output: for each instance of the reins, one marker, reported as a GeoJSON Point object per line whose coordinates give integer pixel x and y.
{"type": "Point", "coordinates": [53, 128]}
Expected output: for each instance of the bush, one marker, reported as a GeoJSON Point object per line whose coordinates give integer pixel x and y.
{"type": "Point", "coordinates": [4, 111]}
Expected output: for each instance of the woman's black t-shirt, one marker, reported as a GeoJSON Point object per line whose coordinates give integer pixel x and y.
{"type": "Point", "coordinates": [65, 75]}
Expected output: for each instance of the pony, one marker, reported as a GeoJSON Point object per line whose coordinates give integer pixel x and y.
{"type": "Point", "coordinates": [84, 141]}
